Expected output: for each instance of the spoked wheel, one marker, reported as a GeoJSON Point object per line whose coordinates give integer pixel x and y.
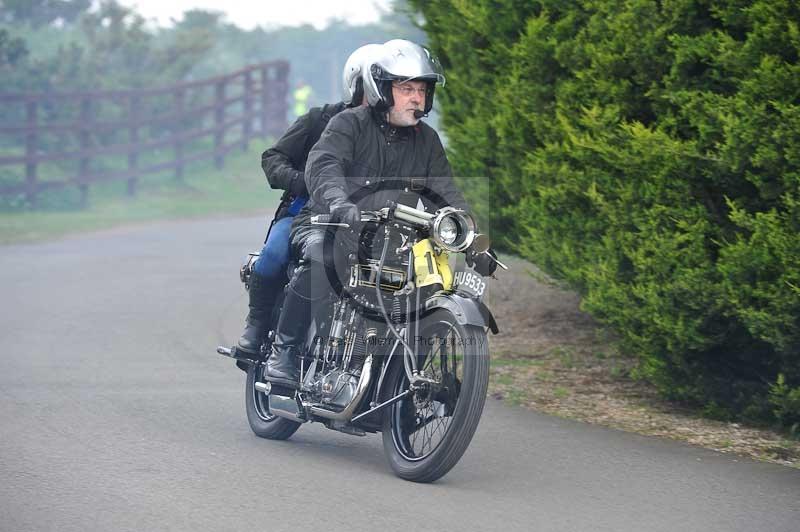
{"type": "Point", "coordinates": [426, 434]}
{"type": "Point", "coordinates": [263, 423]}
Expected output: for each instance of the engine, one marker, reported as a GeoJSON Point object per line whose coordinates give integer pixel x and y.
{"type": "Point", "coordinates": [341, 359]}
{"type": "Point", "coordinates": [337, 388]}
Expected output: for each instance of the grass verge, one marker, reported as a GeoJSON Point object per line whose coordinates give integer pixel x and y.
{"type": "Point", "coordinates": [553, 358]}
{"type": "Point", "coordinates": [237, 189]}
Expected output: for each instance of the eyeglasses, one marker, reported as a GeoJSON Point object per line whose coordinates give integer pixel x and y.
{"type": "Point", "coordinates": [408, 90]}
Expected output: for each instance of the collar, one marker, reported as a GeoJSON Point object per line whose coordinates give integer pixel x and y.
{"type": "Point", "coordinates": [401, 132]}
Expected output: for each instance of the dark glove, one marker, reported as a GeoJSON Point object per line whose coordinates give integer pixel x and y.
{"type": "Point", "coordinates": [482, 262]}
{"type": "Point", "coordinates": [343, 211]}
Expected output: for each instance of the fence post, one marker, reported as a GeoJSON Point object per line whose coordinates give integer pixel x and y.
{"type": "Point", "coordinates": [133, 138]}
{"type": "Point", "coordinates": [31, 142]}
{"type": "Point", "coordinates": [219, 121]}
{"type": "Point", "coordinates": [279, 89]}
{"type": "Point", "coordinates": [83, 171]}
{"type": "Point", "coordinates": [247, 124]}
{"type": "Point", "coordinates": [180, 98]}
{"type": "Point", "coordinates": [264, 99]}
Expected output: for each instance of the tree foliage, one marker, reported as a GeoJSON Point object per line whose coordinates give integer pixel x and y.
{"type": "Point", "coordinates": [649, 154]}
{"type": "Point", "coordinates": [39, 13]}
{"type": "Point", "coordinates": [68, 44]}
{"type": "Point", "coordinates": [109, 47]}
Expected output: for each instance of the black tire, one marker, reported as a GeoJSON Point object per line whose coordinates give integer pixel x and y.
{"type": "Point", "coordinates": [460, 400]}
{"type": "Point", "coordinates": [262, 422]}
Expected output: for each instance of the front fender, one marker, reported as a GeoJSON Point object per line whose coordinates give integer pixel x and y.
{"type": "Point", "coordinates": [466, 310]}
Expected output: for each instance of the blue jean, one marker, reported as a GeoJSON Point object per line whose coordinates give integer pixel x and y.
{"type": "Point", "coordinates": [275, 254]}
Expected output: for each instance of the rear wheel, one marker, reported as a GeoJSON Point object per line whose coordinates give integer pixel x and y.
{"type": "Point", "coordinates": [425, 434]}
{"type": "Point", "coordinates": [262, 422]}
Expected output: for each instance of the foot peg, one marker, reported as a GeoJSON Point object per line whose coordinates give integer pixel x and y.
{"type": "Point", "coordinates": [283, 383]}
{"type": "Point", "coordinates": [276, 389]}
{"type": "Point", "coordinates": [237, 354]}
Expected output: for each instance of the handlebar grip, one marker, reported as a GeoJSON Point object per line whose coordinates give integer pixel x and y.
{"type": "Point", "coordinates": [321, 219]}
{"type": "Point", "coordinates": [327, 219]}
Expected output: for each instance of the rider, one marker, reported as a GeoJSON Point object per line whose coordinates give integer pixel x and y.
{"type": "Point", "coordinates": [283, 165]}
{"type": "Point", "coordinates": [366, 157]}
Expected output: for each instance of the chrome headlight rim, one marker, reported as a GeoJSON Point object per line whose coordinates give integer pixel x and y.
{"type": "Point", "coordinates": [466, 229]}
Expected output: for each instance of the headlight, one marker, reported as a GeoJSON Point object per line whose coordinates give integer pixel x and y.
{"type": "Point", "coordinates": [448, 230]}
{"type": "Point", "coordinates": [453, 229]}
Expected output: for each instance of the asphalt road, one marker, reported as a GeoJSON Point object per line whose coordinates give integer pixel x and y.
{"type": "Point", "coordinates": [116, 414]}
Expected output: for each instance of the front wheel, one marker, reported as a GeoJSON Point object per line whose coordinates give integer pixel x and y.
{"type": "Point", "coordinates": [263, 423]}
{"type": "Point", "coordinates": [425, 434]}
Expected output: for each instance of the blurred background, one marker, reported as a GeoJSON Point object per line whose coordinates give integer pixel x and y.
{"type": "Point", "coordinates": [107, 99]}
{"type": "Point", "coordinates": [86, 44]}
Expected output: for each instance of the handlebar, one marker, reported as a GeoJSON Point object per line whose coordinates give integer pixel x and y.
{"type": "Point", "coordinates": [475, 243]}
{"type": "Point", "coordinates": [409, 215]}
{"type": "Point", "coordinates": [327, 219]}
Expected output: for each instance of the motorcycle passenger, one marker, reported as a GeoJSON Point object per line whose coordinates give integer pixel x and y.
{"type": "Point", "coordinates": [283, 165]}
{"type": "Point", "coordinates": [361, 157]}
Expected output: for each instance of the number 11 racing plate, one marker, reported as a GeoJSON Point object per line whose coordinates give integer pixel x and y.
{"type": "Point", "coordinates": [469, 283]}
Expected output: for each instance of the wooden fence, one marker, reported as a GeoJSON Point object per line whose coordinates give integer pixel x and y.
{"type": "Point", "coordinates": [219, 114]}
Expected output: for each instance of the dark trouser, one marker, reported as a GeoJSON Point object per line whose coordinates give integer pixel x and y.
{"type": "Point", "coordinates": [312, 281]}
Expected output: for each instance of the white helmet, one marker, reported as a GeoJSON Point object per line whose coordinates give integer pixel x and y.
{"type": "Point", "coordinates": [401, 60]}
{"type": "Point", "coordinates": [352, 84]}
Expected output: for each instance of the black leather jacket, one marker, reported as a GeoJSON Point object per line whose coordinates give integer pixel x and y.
{"type": "Point", "coordinates": [283, 163]}
{"type": "Point", "coordinates": [362, 158]}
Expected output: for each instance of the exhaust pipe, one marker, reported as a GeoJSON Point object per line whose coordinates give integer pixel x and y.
{"type": "Point", "coordinates": [287, 407]}
{"type": "Point", "coordinates": [347, 413]}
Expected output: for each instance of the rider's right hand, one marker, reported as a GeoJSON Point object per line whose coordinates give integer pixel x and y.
{"type": "Point", "coordinates": [484, 263]}
{"type": "Point", "coordinates": [345, 212]}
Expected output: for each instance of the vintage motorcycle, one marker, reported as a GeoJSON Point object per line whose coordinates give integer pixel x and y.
{"type": "Point", "coordinates": [400, 349]}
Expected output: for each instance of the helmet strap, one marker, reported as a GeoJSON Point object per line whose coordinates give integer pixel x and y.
{"type": "Point", "coordinates": [431, 88]}
{"type": "Point", "coordinates": [385, 88]}
{"type": "Point", "coordinates": [358, 94]}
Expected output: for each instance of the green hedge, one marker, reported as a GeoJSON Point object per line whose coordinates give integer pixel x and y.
{"type": "Point", "coordinates": [648, 153]}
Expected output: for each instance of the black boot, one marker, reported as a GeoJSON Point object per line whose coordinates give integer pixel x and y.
{"type": "Point", "coordinates": [289, 337]}
{"type": "Point", "coordinates": [262, 298]}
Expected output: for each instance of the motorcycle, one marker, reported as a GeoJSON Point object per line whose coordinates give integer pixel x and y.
{"type": "Point", "coordinates": [400, 349]}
